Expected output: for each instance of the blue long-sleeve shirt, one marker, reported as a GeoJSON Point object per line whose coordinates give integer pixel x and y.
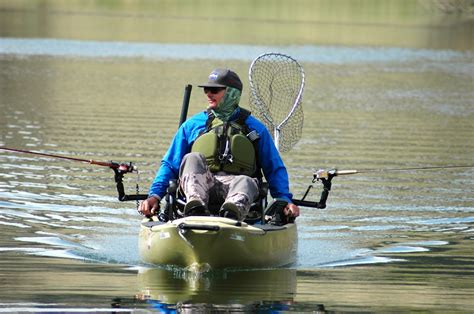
{"type": "Point", "coordinates": [268, 157]}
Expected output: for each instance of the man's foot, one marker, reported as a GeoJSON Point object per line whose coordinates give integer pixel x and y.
{"type": "Point", "coordinates": [195, 207]}
{"type": "Point", "coordinates": [229, 210]}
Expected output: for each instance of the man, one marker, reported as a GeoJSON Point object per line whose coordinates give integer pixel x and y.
{"type": "Point", "coordinates": [218, 156]}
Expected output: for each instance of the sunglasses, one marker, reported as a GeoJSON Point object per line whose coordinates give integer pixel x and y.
{"type": "Point", "coordinates": [213, 90]}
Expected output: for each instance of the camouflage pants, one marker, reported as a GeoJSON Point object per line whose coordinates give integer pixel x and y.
{"type": "Point", "coordinates": [196, 181]}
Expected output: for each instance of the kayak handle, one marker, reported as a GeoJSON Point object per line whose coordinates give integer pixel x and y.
{"type": "Point", "coordinates": [184, 226]}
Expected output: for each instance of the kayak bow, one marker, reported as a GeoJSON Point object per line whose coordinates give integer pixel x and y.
{"type": "Point", "coordinates": [202, 243]}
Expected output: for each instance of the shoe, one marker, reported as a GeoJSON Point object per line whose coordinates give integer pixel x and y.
{"type": "Point", "coordinates": [229, 210]}
{"type": "Point", "coordinates": [195, 207]}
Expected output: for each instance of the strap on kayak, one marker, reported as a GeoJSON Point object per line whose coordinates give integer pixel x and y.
{"type": "Point", "coordinates": [184, 226]}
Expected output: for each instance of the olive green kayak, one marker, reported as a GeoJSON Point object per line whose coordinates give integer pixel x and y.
{"type": "Point", "coordinates": [203, 243]}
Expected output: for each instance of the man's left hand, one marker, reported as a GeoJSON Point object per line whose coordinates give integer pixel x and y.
{"type": "Point", "coordinates": [291, 210]}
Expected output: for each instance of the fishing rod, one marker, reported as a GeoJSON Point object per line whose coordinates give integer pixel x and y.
{"type": "Point", "coordinates": [185, 105]}
{"type": "Point", "coordinates": [120, 169]}
{"type": "Point", "coordinates": [334, 172]}
{"type": "Point", "coordinates": [325, 176]}
{"type": "Point", "coordinates": [123, 167]}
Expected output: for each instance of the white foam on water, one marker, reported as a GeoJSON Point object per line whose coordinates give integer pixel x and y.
{"type": "Point", "coordinates": [429, 243]}
{"type": "Point", "coordinates": [21, 249]}
{"type": "Point", "coordinates": [114, 248]}
{"type": "Point", "coordinates": [362, 261]}
{"type": "Point", "coordinates": [402, 249]}
{"type": "Point", "coordinates": [18, 214]}
{"type": "Point", "coordinates": [380, 228]}
{"type": "Point", "coordinates": [14, 224]}
{"type": "Point", "coordinates": [59, 254]}
{"type": "Point", "coordinates": [53, 241]}
{"type": "Point", "coordinates": [445, 221]}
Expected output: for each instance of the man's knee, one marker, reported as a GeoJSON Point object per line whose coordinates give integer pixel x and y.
{"type": "Point", "coordinates": [246, 185]}
{"type": "Point", "coordinates": [193, 163]}
{"type": "Point", "coordinates": [194, 157]}
{"type": "Point", "coordinates": [246, 180]}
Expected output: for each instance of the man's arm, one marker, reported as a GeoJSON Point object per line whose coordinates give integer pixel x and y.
{"type": "Point", "coordinates": [274, 169]}
{"type": "Point", "coordinates": [169, 169]}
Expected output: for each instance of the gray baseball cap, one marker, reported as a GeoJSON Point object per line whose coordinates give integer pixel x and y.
{"type": "Point", "coordinates": [223, 78]}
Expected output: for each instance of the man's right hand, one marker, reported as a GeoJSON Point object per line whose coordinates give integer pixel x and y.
{"type": "Point", "coordinates": [150, 206]}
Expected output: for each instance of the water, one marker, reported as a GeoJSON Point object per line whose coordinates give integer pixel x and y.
{"type": "Point", "coordinates": [388, 241]}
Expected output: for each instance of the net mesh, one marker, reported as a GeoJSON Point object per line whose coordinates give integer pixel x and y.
{"type": "Point", "coordinates": [276, 87]}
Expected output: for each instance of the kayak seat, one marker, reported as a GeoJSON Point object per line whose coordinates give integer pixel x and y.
{"type": "Point", "coordinates": [175, 205]}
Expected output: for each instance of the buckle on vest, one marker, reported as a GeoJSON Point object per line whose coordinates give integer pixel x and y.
{"type": "Point", "coordinates": [253, 136]}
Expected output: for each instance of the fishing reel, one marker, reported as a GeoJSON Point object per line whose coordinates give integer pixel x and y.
{"type": "Point", "coordinates": [322, 174]}
{"type": "Point", "coordinates": [119, 171]}
{"type": "Point", "coordinates": [123, 167]}
{"type": "Point", "coordinates": [325, 177]}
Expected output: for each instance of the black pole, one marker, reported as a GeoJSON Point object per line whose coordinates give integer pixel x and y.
{"type": "Point", "coordinates": [185, 106]}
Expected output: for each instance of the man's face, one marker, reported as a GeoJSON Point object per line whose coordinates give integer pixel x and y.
{"type": "Point", "coordinates": [214, 95]}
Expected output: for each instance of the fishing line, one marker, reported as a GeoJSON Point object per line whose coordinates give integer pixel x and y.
{"type": "Point", "coordinates": [120, 169]}
{"type": "Point", "coordinates": [325, 174]}
{"type": "Point", "coordinates": [414, 168]}
{"type": "Point", "coordinates": [405, 169]}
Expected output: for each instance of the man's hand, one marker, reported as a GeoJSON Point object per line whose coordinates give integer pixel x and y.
{"type": "Point", "coordinates": [150, 206]}
{"type": "Point", "coordinates": [291, 210]}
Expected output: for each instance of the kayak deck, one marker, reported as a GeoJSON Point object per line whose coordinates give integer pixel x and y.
{"type": "Point", "coordinates": [216, 242]}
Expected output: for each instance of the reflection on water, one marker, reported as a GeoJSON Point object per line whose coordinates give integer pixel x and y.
{"type": "Point", "coordinates": [238, 291]}
{"type": "Point", "coordinates": [388, 241]}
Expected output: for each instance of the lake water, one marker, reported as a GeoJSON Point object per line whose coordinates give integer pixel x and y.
{"type": "Point", "coordinates": [388, 86]}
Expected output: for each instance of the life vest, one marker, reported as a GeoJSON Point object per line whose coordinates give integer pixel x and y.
{"type": "Point", "coordinates": [229, 146]}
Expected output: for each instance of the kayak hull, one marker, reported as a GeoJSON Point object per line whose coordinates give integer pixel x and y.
{"type": "Point", "coordinates": [216, 243]}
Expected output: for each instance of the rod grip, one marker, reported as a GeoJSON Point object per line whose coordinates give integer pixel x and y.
{"type": "Point", "coordinates": [185, 106]}
{"type": "Point", "coordinates": [345, 172]}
